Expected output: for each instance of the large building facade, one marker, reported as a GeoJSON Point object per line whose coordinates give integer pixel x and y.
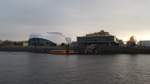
{"type": "Point", "coordinates": [92, 43]}
{"type": "Point", "coordinates": [99, 38]}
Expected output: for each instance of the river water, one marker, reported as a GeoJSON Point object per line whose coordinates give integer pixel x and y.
{"type": "Point", "coordinates": [33, 68]}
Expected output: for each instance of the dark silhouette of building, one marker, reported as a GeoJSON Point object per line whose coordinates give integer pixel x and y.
{"type": "Point", "coordinates": [131, 42]}
{"type": "Point", "coordinates": [40, 42]}
{"type": "Point", "coordinates": [8, 43]}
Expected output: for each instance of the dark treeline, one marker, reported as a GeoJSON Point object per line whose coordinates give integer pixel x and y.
{"type": "Point", "coordinates": [9, 43]}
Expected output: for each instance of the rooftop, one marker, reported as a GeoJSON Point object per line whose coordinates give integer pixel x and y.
{"type": "Point", "coordinates": [100, 33]}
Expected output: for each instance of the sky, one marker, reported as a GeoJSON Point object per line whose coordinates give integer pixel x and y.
{"type": "Point", "coordinates": [123, 18]}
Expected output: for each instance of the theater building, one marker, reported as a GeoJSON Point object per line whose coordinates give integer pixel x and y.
{"type": "Point", "coordinates": [46, 39]}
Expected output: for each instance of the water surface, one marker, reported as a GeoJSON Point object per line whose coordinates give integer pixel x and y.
{"type": "Point", "coordinates": [32, 68]}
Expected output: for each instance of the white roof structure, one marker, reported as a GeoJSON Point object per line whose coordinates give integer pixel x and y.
{"type": "Point", "coordinates": [55, 37]}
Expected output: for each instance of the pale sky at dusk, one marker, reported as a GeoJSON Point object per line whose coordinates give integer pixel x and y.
{"type": "Point", "coordinates": [123, 18]}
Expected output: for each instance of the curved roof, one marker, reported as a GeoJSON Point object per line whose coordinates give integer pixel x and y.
{"type": "Point", "coordinates": [55, 37]}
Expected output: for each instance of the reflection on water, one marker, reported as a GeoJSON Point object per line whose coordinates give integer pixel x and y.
{"type": "Point", "coordinates": [32, 68]}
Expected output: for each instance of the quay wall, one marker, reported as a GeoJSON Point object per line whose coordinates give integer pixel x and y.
{"type": "Point", "coordinates": [98, 50]}
{"type": "Point", "coordinates": [30, 49]}
{"type": "Point", "coordinates": [116, 50]}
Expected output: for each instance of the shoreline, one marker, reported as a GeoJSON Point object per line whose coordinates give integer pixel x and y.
{"type": "Point", "coordinates": [99, 50]}
{"type": "Point", "coordinates": [30, 49]}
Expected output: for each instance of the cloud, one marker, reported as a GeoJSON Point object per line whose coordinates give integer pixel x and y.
{"type": "Point", "coordinates": [19, 18]}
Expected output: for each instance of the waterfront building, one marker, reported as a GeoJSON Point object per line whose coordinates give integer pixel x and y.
{"type": "Point", "coordinates": [46, 39]}
{"type": "Point", "coordinates": [40, 42]}
{"type": "Point", "coordinates": [25, 43]}
{"type": "Point", "coordinates": [131, 42]}
{"type": "Point", "coordinates": [92, 43]}
{"type": "Point", "coordinates": [101, 38]}
{"type": "Point", "coordinates": [144, 43]}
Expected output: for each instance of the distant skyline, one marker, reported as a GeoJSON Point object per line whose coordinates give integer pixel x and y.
{"type": "Point", "coordinates": [123, 18]}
